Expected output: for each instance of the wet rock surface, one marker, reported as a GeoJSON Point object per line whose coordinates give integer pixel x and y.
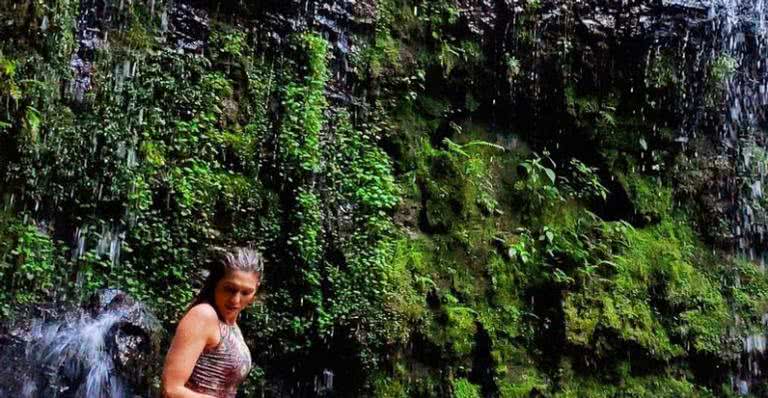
{"type": "Point", "coordinates": [107, 348]}
{"type": "Point", "coordinates": [598, 49]}
{"type": "Point", "coordinates": [188, 26]}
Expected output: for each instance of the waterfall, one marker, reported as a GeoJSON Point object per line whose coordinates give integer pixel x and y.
{"type": "Point", "coordinates": [744, 39]}
{"type": "Point", "coordinates": [103, 350]}
{"type": "Point", "coordinates": [80, 344]}
{"type": "Point", "coordinates": [88, 39]}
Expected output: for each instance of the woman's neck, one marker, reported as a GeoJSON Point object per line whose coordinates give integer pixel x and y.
{"type": "Point", "coordinates": [226, 321]}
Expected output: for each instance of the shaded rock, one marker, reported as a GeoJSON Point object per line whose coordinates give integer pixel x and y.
{"type": "Point", "coordinates": [110, 347]}
{"type": "Point", "coordinates": [479, 15]}
{"type": "Point", "coordinates": [189, 26]}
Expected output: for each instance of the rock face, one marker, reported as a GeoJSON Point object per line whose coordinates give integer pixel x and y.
{"type": "Point", "coordinates": [668, 91]}
{"type": "Point", "coordinates": [188, 26]}
{"type": "Point", "coordinates": [696, 69]}
{"type": "Point", "coordinates": [693, 68]}
{"type": "Point", "coordinates": [106, 349]}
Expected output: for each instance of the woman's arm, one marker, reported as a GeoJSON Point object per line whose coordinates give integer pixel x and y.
{"type": "Point", "coordinates": [198, 328]}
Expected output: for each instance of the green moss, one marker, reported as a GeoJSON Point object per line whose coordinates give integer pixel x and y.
{"type": "Point", "coordinates": [722, 68]}
{"type": "Point", "coordinates": [651, 200]}
{"type": "Point", "coordinates": [457, 183]}
{"type": "Point", "coordinates": [240, 146]}
{"type": "Point", "coordinates": [463, 388]}
{"type": "Point", "coordinates": [136, 37]}
{"type": "Point", "coordinates": [522, 384]}
{"type": "Point", "coordinates": [380, 57]}
{"type": "Point", "coordinates": [750, 294]}
{"type": "Point", "coordinates": [662, 72]}
{"type": "Point", "coordinates": [388, 388]}
{"type": "Point", "coordinates": [653, 283]}
{"type": "Point", "coordinates": [655, 386]}
{"type": "Point", "coordinates": [410, 274]}
{"type": "Point", "coordinates": [460, 329]}
{"type": "Point", "coordinates": [502, 317]}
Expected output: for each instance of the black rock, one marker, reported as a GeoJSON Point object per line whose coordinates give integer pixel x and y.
{"type": "Point", "coordinates": [110, 347]}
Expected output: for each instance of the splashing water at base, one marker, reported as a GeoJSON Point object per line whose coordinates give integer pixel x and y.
{"type": "Point", "coordinates": [105, 351]}
{"type": "Point", "coordinates": [72, 346]}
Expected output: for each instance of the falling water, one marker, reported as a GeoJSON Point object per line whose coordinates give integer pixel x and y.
{"type": "Point", "coordinates": [103, 350]}
{"type": "Point", "coordinates": [82, 59]}
{"type": "Point", "coordinates": [74, 345]}
{"type": "Point", "coordinates": [110, 243]}
{"type": "Point", "coordinates": [324, 383]}
{"type": "Point", "coordinates": [745, 40]}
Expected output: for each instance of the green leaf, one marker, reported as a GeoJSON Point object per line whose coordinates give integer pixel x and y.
{"type": "Point", "coordinates": [484, 143]}
{"type": "Point", "coordinates": [8, 67]}
{"type": "Point", "coordinates": [455, 147]}
{"type": "Point", "coordinates": [550, 174]}
{"type": "Point", "coordinates": [32, 122]}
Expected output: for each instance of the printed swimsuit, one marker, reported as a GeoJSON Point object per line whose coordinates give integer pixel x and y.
{"type": "Point", "coordinates": [220, 370]}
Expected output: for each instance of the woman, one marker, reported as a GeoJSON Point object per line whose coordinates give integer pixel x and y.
{"type": "Point", "coordinates": [208, 356]}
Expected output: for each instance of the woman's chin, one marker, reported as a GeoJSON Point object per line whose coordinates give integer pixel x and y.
{"type": "Point", "coordinates": [231, 313]}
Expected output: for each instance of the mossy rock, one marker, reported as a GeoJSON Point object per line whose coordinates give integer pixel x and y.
{"type": "Point", "coordinates": [463, 388]}
{"type": "Point", "coordinates": [651, 200]}
{"type": "Point", "coordinates": [441, 193]}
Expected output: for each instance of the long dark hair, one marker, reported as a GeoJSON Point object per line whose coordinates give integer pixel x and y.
{"type": "Point", "coordinates": [224, 261]}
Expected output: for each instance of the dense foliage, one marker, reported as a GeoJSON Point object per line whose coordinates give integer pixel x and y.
{"type": "Point", "coordinates": [439, 237]}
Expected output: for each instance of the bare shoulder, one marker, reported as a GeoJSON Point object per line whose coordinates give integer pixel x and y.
{"type": "Point", "coordinates": [201, 320]}
{"type": "Point", "coordinates": [203, 312]}
{"type": "Point", "coordinates": [197, 330]}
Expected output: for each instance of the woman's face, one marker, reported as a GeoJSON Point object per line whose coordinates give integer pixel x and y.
{"type": "Point", "coordinates": [234, 292]}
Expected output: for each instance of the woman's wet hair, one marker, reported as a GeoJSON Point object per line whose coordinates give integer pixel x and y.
{"type": "Point", "coordinates": [223, 261]}
{"type": "Point", "coordinates": [241, 259]}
